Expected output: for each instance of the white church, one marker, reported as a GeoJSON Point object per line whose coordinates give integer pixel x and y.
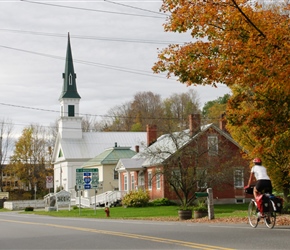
{"type": "Point", "coordinates": [73, 147]}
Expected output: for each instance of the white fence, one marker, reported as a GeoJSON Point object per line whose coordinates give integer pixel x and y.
{"type": "Point", "coordinates": [110, 198]}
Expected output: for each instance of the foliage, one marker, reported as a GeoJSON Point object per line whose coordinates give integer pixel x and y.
{"type": "Point", "coordinates": [27, 209]}
{"type": "Point", "coordinates": [263, 129]}
{"type": "Point", "coordinates": [244, 46]}
{"type": "Point", "coordinates": [30, 161]}
{"type": "Point", "coordinates": [162, 202]}
{"type": "Point", "coordinates": [171, 114]}
{"type": "Point", "coordinates": [212, 110]}
{"type": "Point", "coordinates": [6, 132]}
{"type": "Point", "coordinates": [137, 198]}
{"type": "Point", "coordinates": [200, 206]}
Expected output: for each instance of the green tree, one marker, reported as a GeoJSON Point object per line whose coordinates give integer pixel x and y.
{"type": "Point", "coordinates": [212, 110]}
{"type": "Point", "coordinates": [30, 160]}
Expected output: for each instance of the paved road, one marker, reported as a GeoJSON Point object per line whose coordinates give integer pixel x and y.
{"type": "Point", "coordinates": [28, 231]}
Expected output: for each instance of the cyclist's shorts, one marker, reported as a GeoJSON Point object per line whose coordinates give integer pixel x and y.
{"type": "Point", "coordinates": [264, 186]}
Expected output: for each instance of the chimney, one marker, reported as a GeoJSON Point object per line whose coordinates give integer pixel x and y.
{"type": "Point", "coordinates": [194, 124]}
{"type": "Point", "coordinates": [151, 134]}
{"type": "Point", "coordinates": [137, 148]}
{"type": "Point", "coordinates": [223, 122]}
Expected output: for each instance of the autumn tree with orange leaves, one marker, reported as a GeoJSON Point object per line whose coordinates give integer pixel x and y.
{"type": "Point", "coordinates": [245, 47]}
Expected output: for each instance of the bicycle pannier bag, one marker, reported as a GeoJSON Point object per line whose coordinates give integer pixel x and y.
{"type": "Point", "coordinates": [279, 204]}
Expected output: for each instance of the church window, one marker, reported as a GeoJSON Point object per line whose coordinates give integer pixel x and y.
{"type": "Point", "coordinates": [71, 110]}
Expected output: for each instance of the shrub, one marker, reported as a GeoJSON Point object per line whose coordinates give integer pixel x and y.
{"type": "Point", "coordinates": [138, 198]}
{"type": "Point", "coordinates": [29, 209]}
{"type": "Point", "coordinates": [162, 202]}
{"type": "Point", "coordinates": [286, 207]}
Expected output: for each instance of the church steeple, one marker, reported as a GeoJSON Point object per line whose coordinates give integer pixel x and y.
{"type": "Point", "coordinates": [70, 123]}
{"type": "Point", "coordinates": [69, 89]}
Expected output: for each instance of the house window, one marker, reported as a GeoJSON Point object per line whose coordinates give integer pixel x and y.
{"type": "Point", "coordinates": [176, 177]}
{"type": "Point", "coordinates": [116, 175]}
{"type": "Point", "coordinates": [212, 142]}
{"type": "Point", "coordinates": [150, 180]}
{"type": "Point", "coordinates": [238, 178]}
{"type": "Point", "coordinates": [158, 183]}
{"type": "Point", "coordinates": [201, 178]}
{"type": "Point", "coordinates": [71, 110]}
{"type": "Point", "coordinates": [132, 182]}
{"type": "Point", "coordinates": [125, 182]}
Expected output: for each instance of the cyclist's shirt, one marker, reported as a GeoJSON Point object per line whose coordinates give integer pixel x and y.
{"type": "Point", "coordinates": [260, 172]}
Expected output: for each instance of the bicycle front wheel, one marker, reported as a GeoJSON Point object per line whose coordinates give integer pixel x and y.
{"type": "Point", "coordinates": [252, 214]}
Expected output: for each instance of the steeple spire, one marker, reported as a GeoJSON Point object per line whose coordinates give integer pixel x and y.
{"type": "Point", "coordinates": [69, 89]}
{"type": "Point", "coordinates": [70, 123]}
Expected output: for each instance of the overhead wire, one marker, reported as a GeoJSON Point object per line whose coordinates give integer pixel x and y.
{"type": "Point", "coordinates": [112, 39]}
{"type": "Point", "coordinates": [101, 65]}
{"type": "Point", "coordinates": [93, 10]}
{"type": "Point", "coordinates": [136, 8]}
{"type": "Point", "coordinates": [93, 38]}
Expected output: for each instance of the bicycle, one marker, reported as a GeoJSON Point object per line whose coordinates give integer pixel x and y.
{"type": "Point", "coordinates": [269, 213]}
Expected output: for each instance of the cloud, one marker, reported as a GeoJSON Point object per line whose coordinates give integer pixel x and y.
{"type": "Point", "coordinates": [113, 55]}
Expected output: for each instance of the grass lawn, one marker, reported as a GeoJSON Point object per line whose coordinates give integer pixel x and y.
{"type": "Point", "coordinates": [220, 211]}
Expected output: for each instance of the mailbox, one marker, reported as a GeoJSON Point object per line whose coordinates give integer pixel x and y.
{"type": "Point", "coordinates": [201, 194]}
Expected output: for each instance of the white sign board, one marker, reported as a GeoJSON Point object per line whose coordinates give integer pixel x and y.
{"type": "Point", "coordinates": [49, 182]}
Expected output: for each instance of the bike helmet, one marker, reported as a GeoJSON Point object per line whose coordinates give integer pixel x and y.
{"type": "Point", "coordinates": [257, 161]}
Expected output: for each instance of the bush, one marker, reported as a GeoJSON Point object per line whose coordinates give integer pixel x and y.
{"type": "Point", "coordinates": [29, 209]}
{"type": "Point", "coordinates": [138, 198]}
{"type": "Point", "coordinates": [286, 207]}
{"type": "Point", "coordinates": [162, 202]}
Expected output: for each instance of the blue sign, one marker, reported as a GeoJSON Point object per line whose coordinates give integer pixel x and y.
{"type": "Point", "coordinates": [87, 178]}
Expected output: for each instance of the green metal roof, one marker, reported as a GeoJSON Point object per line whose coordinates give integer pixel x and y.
{"type": "Point", "coordinates": [110, 156]}
{"type": "Point", "coordinates": [69, 89]}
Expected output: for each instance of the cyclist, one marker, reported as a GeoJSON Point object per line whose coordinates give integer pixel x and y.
{"type": "Point", "coordinates": [264, 183]}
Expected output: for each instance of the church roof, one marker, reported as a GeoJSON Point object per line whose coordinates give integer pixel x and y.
{"type": "Point", "coordinates": [95, 143]}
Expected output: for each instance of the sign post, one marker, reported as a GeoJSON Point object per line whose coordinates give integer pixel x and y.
{"type": "Point", "coordinates": [49, 182]}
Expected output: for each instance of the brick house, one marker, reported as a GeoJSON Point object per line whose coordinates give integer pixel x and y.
{"type": "Point", "coordinates": [210, 150]}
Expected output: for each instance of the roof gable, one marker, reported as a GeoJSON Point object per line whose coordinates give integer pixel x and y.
{"type": "Point", "coordinates": [130, 164]}
{"type": "Point", "coordinates": [110, 156]}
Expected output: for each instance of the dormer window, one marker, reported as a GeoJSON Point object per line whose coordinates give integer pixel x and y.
{"type": "Point", "coordinates": [70, 79]}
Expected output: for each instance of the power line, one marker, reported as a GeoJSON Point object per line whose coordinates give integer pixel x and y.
{"type": "Point", "coordinates": [136, 8]}
{"type": "Point", "coordinates": [101, 65]}
{"type": "Point", "coordinates": [93, 10]}
{"type": "Point", "coordinates": [112, 39]}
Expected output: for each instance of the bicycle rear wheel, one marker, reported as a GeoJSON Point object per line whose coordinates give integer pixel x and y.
{"type": "Point", "coordinates": [270, 217]}
{"type": "Point", "coordinates": [252, 214]}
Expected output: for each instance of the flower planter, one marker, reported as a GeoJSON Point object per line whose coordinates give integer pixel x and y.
{"type": "Point", "coordinates": [185, 214]}
{"type": "Point", "coordinates": [200, 214]}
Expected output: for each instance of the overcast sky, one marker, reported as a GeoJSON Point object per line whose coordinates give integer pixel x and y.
{"type": "Point", "coordinates": [114, 46]}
